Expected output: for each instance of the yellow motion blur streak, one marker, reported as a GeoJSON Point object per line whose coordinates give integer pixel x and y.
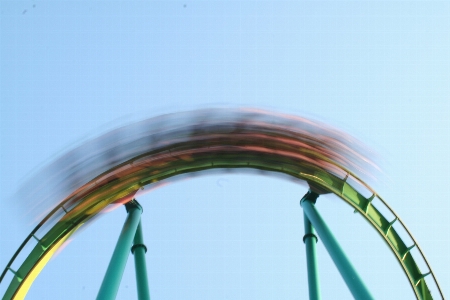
{"type": "Point", "coordinates": [28, 281]}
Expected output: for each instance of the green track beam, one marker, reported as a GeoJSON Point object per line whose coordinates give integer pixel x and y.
{"type": "Point", "coordinates": [343, 264]}
{"type": "Point", "coordinates": [113, 276]}
{"type": "Point", "coordinates": [310, 240]}
{"type": "Point", "coordinates": [139, 250]}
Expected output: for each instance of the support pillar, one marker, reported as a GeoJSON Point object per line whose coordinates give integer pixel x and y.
{"type": "Point", "coordinates": [113, 276]}
{"type": "Point", "coordinates": [348, 273]}
{"type": "Point", "coordinates": [310, 240]}
{"type": "Point", "coordinates": [139, 250]}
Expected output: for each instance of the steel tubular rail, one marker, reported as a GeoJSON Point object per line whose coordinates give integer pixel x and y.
{"type": "Point", "coordinates": [215, 149]}
{"type": "Point", "coordinates": [415, 244]}
{"type": "Point", "coordinates": [28, 238]}
{"type": "Point", "coordinates": [327, 181]}
{"type": "Point", "coordinates": [397, 218]}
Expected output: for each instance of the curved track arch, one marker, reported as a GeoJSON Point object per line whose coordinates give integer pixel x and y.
{"type": "Point", "coordinates": [177, 144]}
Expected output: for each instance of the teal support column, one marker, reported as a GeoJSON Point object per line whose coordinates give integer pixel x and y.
{"type": "Point", "coordinates": [139, 250]}
{"type": "Point", "coordinates": [343, 264]}
{"type": "Point", "coordinates": [310, 240]}
{"type": "Point", "coordinates": [113, 276]}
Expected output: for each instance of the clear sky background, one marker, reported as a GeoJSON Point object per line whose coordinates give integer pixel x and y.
{"type": "Point", "coordinates": [377, 70]}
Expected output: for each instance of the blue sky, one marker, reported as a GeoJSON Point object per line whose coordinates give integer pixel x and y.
{"type": "Point", "coordinates": [378, 70]}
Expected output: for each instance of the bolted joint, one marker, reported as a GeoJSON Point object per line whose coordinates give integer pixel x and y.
{"type": "Point", "coordinates": [133, 204]}
{"type": "Point", "coordinates": [310, 235]}
{"type": "Point", "coordinates": [310, 196]}
{"type": "Point", "coordinates": [138, 246]}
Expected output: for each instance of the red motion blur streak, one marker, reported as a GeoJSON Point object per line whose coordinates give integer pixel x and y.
{"type": "Point", "coordinates": [156, 142]}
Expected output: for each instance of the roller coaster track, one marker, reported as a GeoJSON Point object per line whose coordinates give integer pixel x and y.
{"type": "Point", "coordinates": [252, 140]}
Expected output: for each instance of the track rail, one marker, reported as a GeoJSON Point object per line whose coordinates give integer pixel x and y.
{"type": "Point", "coordinates": [254, 147]}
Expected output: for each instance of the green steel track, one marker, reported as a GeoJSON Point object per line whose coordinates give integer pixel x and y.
{"type": "Point", "coordinates": [220, 150]}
